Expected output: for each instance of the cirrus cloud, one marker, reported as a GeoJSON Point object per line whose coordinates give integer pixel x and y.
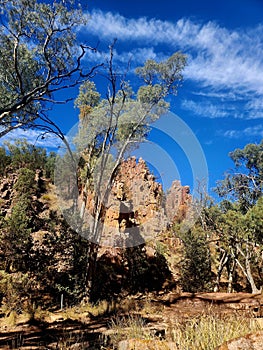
{"type": "Point", "coordinates": [218, 57]}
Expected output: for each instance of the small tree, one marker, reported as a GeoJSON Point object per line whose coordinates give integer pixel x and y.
{"type": "Point", "coordinates": [196, 263]}
{"type": "Point", "coordinates": [17, 227]}
{"type": "Point", "coordinates": [16, 236]}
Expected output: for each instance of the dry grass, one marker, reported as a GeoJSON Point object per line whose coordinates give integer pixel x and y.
{"type": "Point", "coordinates": [83, 312]}
{"type": "Point", "coordinates": [151, 308]}
{"type": "Point", "coordinates": [128, 327]}
{"type": "Point", "coordinates": [50, 198]}
{"type": "Point", "coordinates": [205, 332]}
{"type": "Point", "coordinates": [72, 340]}
{"type": "Point", "coordinates": [209, 331]}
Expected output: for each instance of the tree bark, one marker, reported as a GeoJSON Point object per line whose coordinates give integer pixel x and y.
{"type": "Point", "coordinates": [231, 276]}
{"type": "Point", "coordinates": [247, 269]}
{"type": "Point", "coordinates": [222, 263]}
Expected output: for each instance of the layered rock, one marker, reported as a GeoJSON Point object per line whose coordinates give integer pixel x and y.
{"type": "Point", "coordinates": [178, 201]}
{"type": "Point", "coordinates": [135, 206]}
{"type": "Point", "coordinates": [137, 209]}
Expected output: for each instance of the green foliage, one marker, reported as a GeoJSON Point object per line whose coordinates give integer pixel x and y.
{"type": "Point", "coordinates": [239, 242]}
{"type": "Point", "coordinates": [21, 154]}
{"type": "Point", "coordinates": [72, 282]}
{"type": "Point", "coordinates": [25, 155]}
{"type": "Point", "coordinates": [87, 99]}
{"type": "Point", "coordinates": [167, 74]}
{"type": "Point", "coordinates": [196, 263]}
{"type": "Point", "coordinates": [254, 222]}
{"type": "Point", "coordinates": [38, 56]}
{"type": "Point", "coordinates": [16, 235]}
{"type": "Point", "coordinates": [245, 183]}
{"type": "Point", "coordinates": [25, 184]}
{"type": "Point", "coordinates": [14, 289]}
{"type": "Point", "coordinates": [16, 228]}
{"type": "Point", "coordinates": [4, 161]}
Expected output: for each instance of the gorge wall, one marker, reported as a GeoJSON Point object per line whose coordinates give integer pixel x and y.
{"type": "Point", "coordinates": [138, 209]}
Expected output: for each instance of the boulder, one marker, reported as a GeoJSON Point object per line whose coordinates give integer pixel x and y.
{"type": "Point", "coordinates": [249, 342]}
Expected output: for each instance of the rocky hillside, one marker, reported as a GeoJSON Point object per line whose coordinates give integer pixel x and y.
{"type": "Point", "coordinates": [137, 217]}
{"type": "Point", "coordinates": [54, 255]}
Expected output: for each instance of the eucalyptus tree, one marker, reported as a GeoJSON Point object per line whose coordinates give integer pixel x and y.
{"type": "Point", "coordinates": [244, 184]}
{"type": "Point", "coordinates": [39, 56]}
{"type": "Point", "coordinates": [109, 128]}
{"type": "Point", "coordinates": [241, 245]}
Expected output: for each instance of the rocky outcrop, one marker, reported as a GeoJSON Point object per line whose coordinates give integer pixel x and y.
{"type": "Point", "coordinates": [7, 193]}
{"type": "Point", "coordinates": [249, 342]}
{"type": "Point", "coordinates": [193, 304]}
{"type": "Point", "coordinates": [178, 201]}
{"type": "Point", "coordinates": [137, 209]}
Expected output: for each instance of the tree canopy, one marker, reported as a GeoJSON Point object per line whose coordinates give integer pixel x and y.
{"type": "Point", "coordinates": [245, 183]}
{"type": "Point", "coordinates": [39, 56]}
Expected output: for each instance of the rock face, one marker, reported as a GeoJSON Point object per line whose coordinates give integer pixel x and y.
{"type": "Point", "coordinates": [7, 193]}
{"type": "Point", "coordinates": [136, 210]}
{"type": "Point", "coordinates": [193, 304]}
{"type": "Point", "coordinates": [178, 201]}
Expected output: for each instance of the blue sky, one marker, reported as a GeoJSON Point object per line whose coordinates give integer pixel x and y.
{"type": "Point", "coordinates": [221, 100]}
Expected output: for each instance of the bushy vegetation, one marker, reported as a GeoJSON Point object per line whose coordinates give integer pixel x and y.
{"type": "Point", "coordinates": [44, 261]}
{"type": "Point", "coordinates": [225, 243]}
{"type": "Point", "coordinates": [22, 155]}
{"type": "Point", "coordinates": [227, 239]}
{"type": "Point", "coordinates": [196, 263]}
{"type": "Point", "coordinates": [35, 240]}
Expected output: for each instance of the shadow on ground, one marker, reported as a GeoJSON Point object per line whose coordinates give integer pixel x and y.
{"type": "Point", "coordinates": [58, 335]}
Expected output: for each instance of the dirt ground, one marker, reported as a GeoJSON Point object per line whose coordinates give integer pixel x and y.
{"type": "Point", "coordinates": [58, 331]}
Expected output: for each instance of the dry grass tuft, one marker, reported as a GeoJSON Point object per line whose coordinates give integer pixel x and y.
{"type": "Point", "coordinates": [128, 327]}
{"type": "Point", "coordinates": [206, 332]}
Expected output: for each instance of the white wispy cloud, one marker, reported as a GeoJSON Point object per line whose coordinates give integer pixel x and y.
{"type": "Point", "coordinates": [254, 108]}
{"type": "Point", "coordinates": [206, 109]}
{"type": "Point", "coordinates": [221, 95]}
{"type": "Point", "coordinates": [33, 137]}
{"type": "Point", "coordinates": [218, 57]}
{"type": "Point", "coordinates": [109, 26]}
{"type": "Point", "coordinates": [254, 131]}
